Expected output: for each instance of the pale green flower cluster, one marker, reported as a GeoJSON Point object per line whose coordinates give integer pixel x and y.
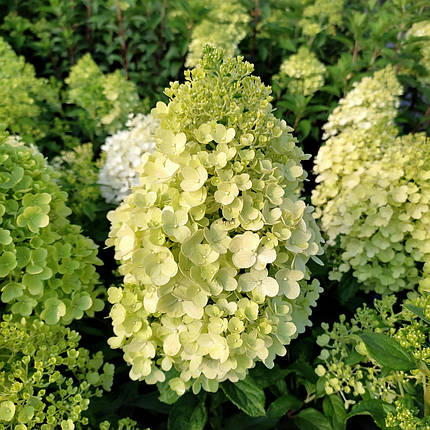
{"type": "Point", "coordinates": [303, 72]}
{"type": "Point", "coordinates": [46, 381]}
{"type": "Point", "coordinates": [122, 154]}
{"type": "Point", "coordinates": [22, 95]}
{"type": "Point", "coordinates": [347, 367]}
{"type": "Point", "coordinates": [373, 191]}
{"type": "Point", "coordinates": [422, 29]}
{"type": "Point", "coordinates": [373, 101]}
{"type": "Point", "coordinates": [106, 99]}
{"type": "Point", "coordinates": [46, 266]}
{"type": "Point", "coordinates": [321, 15]}
{"type": "Point", "coordinates": [78, 177]}
{"type": "Point", "coordinates": [224, 27]}
{"type": "Point", "coordinates": [213, 243]}
{"type": "Point", "coordinates": [405, 418]}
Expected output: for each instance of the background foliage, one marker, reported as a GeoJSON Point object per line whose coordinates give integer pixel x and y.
{"type": "Point", "coordinates": [137, 47]}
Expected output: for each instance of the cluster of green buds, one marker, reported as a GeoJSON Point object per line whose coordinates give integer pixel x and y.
{"type": "Point", "coordinates": [106, 99]}
{"type": "Point", "coordinates": [320, 15]}
{"type": "Point", "coordinates": [47, 267]}
{"type": "Point", "coordinates": [303, 73]}
{"type": "Point", "coordinates": [46, 380]}
{"type": "Point", "coordinates": [373, 191]}
{"type": "Point", "coordinates": [224, 27]}
{"type": "Point", "coordinates": [23, 96]}
{"type": "Point", "coordinates": [213, 243]}
{"type": "Point", "coordinates": [123, 424]}
{"type": "Point", "coordinates": [349, 368]}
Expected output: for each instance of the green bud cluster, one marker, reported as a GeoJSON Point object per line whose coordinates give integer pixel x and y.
{"type": "Point", "coordinates": [123, 424]}
{"type": "Point", "coordinates": [405, 418]}
{"type": "Point", "coordinates": [320, 15]}
{"type": "Point", "coordinates": [302, 73]}
{"type": "Point", "coordinates": [373, 191]}
{"type": "Point", "coordinates": [224, 27]}
{"type": "Point", "coordinates": [107, 99]}
{"type": "Point", "coordinates": [46, 380]}
{"type": "Point", "coordinates": [348, 369]}
{"type": "Point", "coordinates": [78, 177]}
{"type": "Point", "coordinates": [213, 243]}
{"type": "Point", "coordinates": [22, 95]}
{"type": "Point", "coordinates": [46, 266]}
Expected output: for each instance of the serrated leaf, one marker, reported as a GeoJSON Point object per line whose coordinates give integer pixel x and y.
{"type": "Point", "coordinates": [188, 413]}
{"type": "Point", "coordinates": [282, 405]}
{"type": "Point", "coordinates": [311, 419]}
{"type": "Point", "coordinates": [388, 352]}
{"type": "Point", "coordinates": [376, 408]}
{"type": "Point", "coordinates": [417, 311]}
{"type": "Point", "coordinates": [334, 410]}
{"type": "Point", "coordinates": [246, 395]}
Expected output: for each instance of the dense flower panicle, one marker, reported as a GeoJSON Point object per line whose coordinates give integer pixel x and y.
{"type": "Point", "coordinates": [46, 266]}
{"type": "Point", "coordinates": [122, 154]}
{"type": "Point", "coordinates": [373, 191]}
{"type": "Point", "coordinates": [319, 15]}
{"type": "Point", "coordinates": [78, 177]}
{"type": "Point", "coordinates": [373, 100]}
{"type": "Point", "coordinates": [46, 380]}
{"type": "Point", "coordinates": [422, 29]}
{"type": "Point", "coordinates": [213, 243]}
{"type": "Point", "coordinates": [22, 95]}
{"type": "Point", "coordinates": [224, 27]}
{"type": "Point", "coordinates": [303, 71]}
{"type": "Point", "coordinates": [347, 368]}
{"type": "Point", "coordinates": [107, 99]}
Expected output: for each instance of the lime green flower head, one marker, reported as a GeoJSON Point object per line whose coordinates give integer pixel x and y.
{"type": "Point", "coordinates": [213, 243]}
{"type": "Point", "coordinates": [303, 71]}
{"type": "Point", "coordinates": [47, 267]}
{"type": "Point", "coordinates": [46, 380]}
{"type": "Point", "coordinates": [224, 27]}
{"type": "Point", "coordinates": [106, 100]}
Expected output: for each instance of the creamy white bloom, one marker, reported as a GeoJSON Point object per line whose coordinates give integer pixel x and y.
{"type": "Point", "coordinates": [123, 152]}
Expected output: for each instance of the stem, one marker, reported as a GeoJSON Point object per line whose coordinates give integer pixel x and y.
{"type": "Point", "coordinates": [89, 30]}
{"type": "Point", "coordinates": [426, 398]}
{"type": "Point", "coordinates": [374, 56]}
{"type": "Point", "coordinates": [355, 52]}
{"type": "Point", "coordinates": [122, 37]}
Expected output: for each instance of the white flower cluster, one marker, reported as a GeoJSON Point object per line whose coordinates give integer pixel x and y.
{"type": "Point", "coordinates": [123, 152]}
{"type": "Point", "coordinates": [305, 71]}
{"type": "Point", "coordinates": [224, 27]}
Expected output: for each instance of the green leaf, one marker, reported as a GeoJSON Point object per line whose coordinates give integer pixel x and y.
{"type": "Point", "coordinates": [167, 395]}
{"type": "Point", "coordinates": [388, 352]}
{"type": "Point", "coordinates": [311, 419]}
{"type": "Point", "coordinates": [245, 422]}
{"type": "Point", "coordinates": [246, 395]}
{"type": "Point", "coordinates": [417, 311]}
{"type": "Point", "coordinates": [7, 263]}
{"type": "Point", "coordinates": [334, 410]}
{"type": "Point", "coordinates": [283, 404]}
{"type": "Point", "coordinates": [376, 408]}
{"type": "Point", "coordinates": [188, 413]}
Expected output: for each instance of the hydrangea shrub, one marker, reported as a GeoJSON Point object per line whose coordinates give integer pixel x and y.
{"type": "Point", "coordinates": [348, 369]}
{"type": "Point", "coordinates": [213, 243]}
{"type": "Point", "coordinates": [106, 99]}
{"type": "Point", "coordinates": [46, 380]}
{"type": "Point", "coordinates": [122, 154]}
{"type": "Point", "coordinates": [321, 15]}
{"type": "Point", "coordinates": [46, 266]}
{"type": "Point", "coordinates": [422, 29]}
{"type": "Point", "coordinates": [79, 178]}
{"type": "Point", "coordinates": [373, 191]}
{"type": "Point", "coordinates": [23, 96]}
{"type": "Point", "coordinates": [303, 73]}
{"type": "Point", "coordinates": [224, 27]}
